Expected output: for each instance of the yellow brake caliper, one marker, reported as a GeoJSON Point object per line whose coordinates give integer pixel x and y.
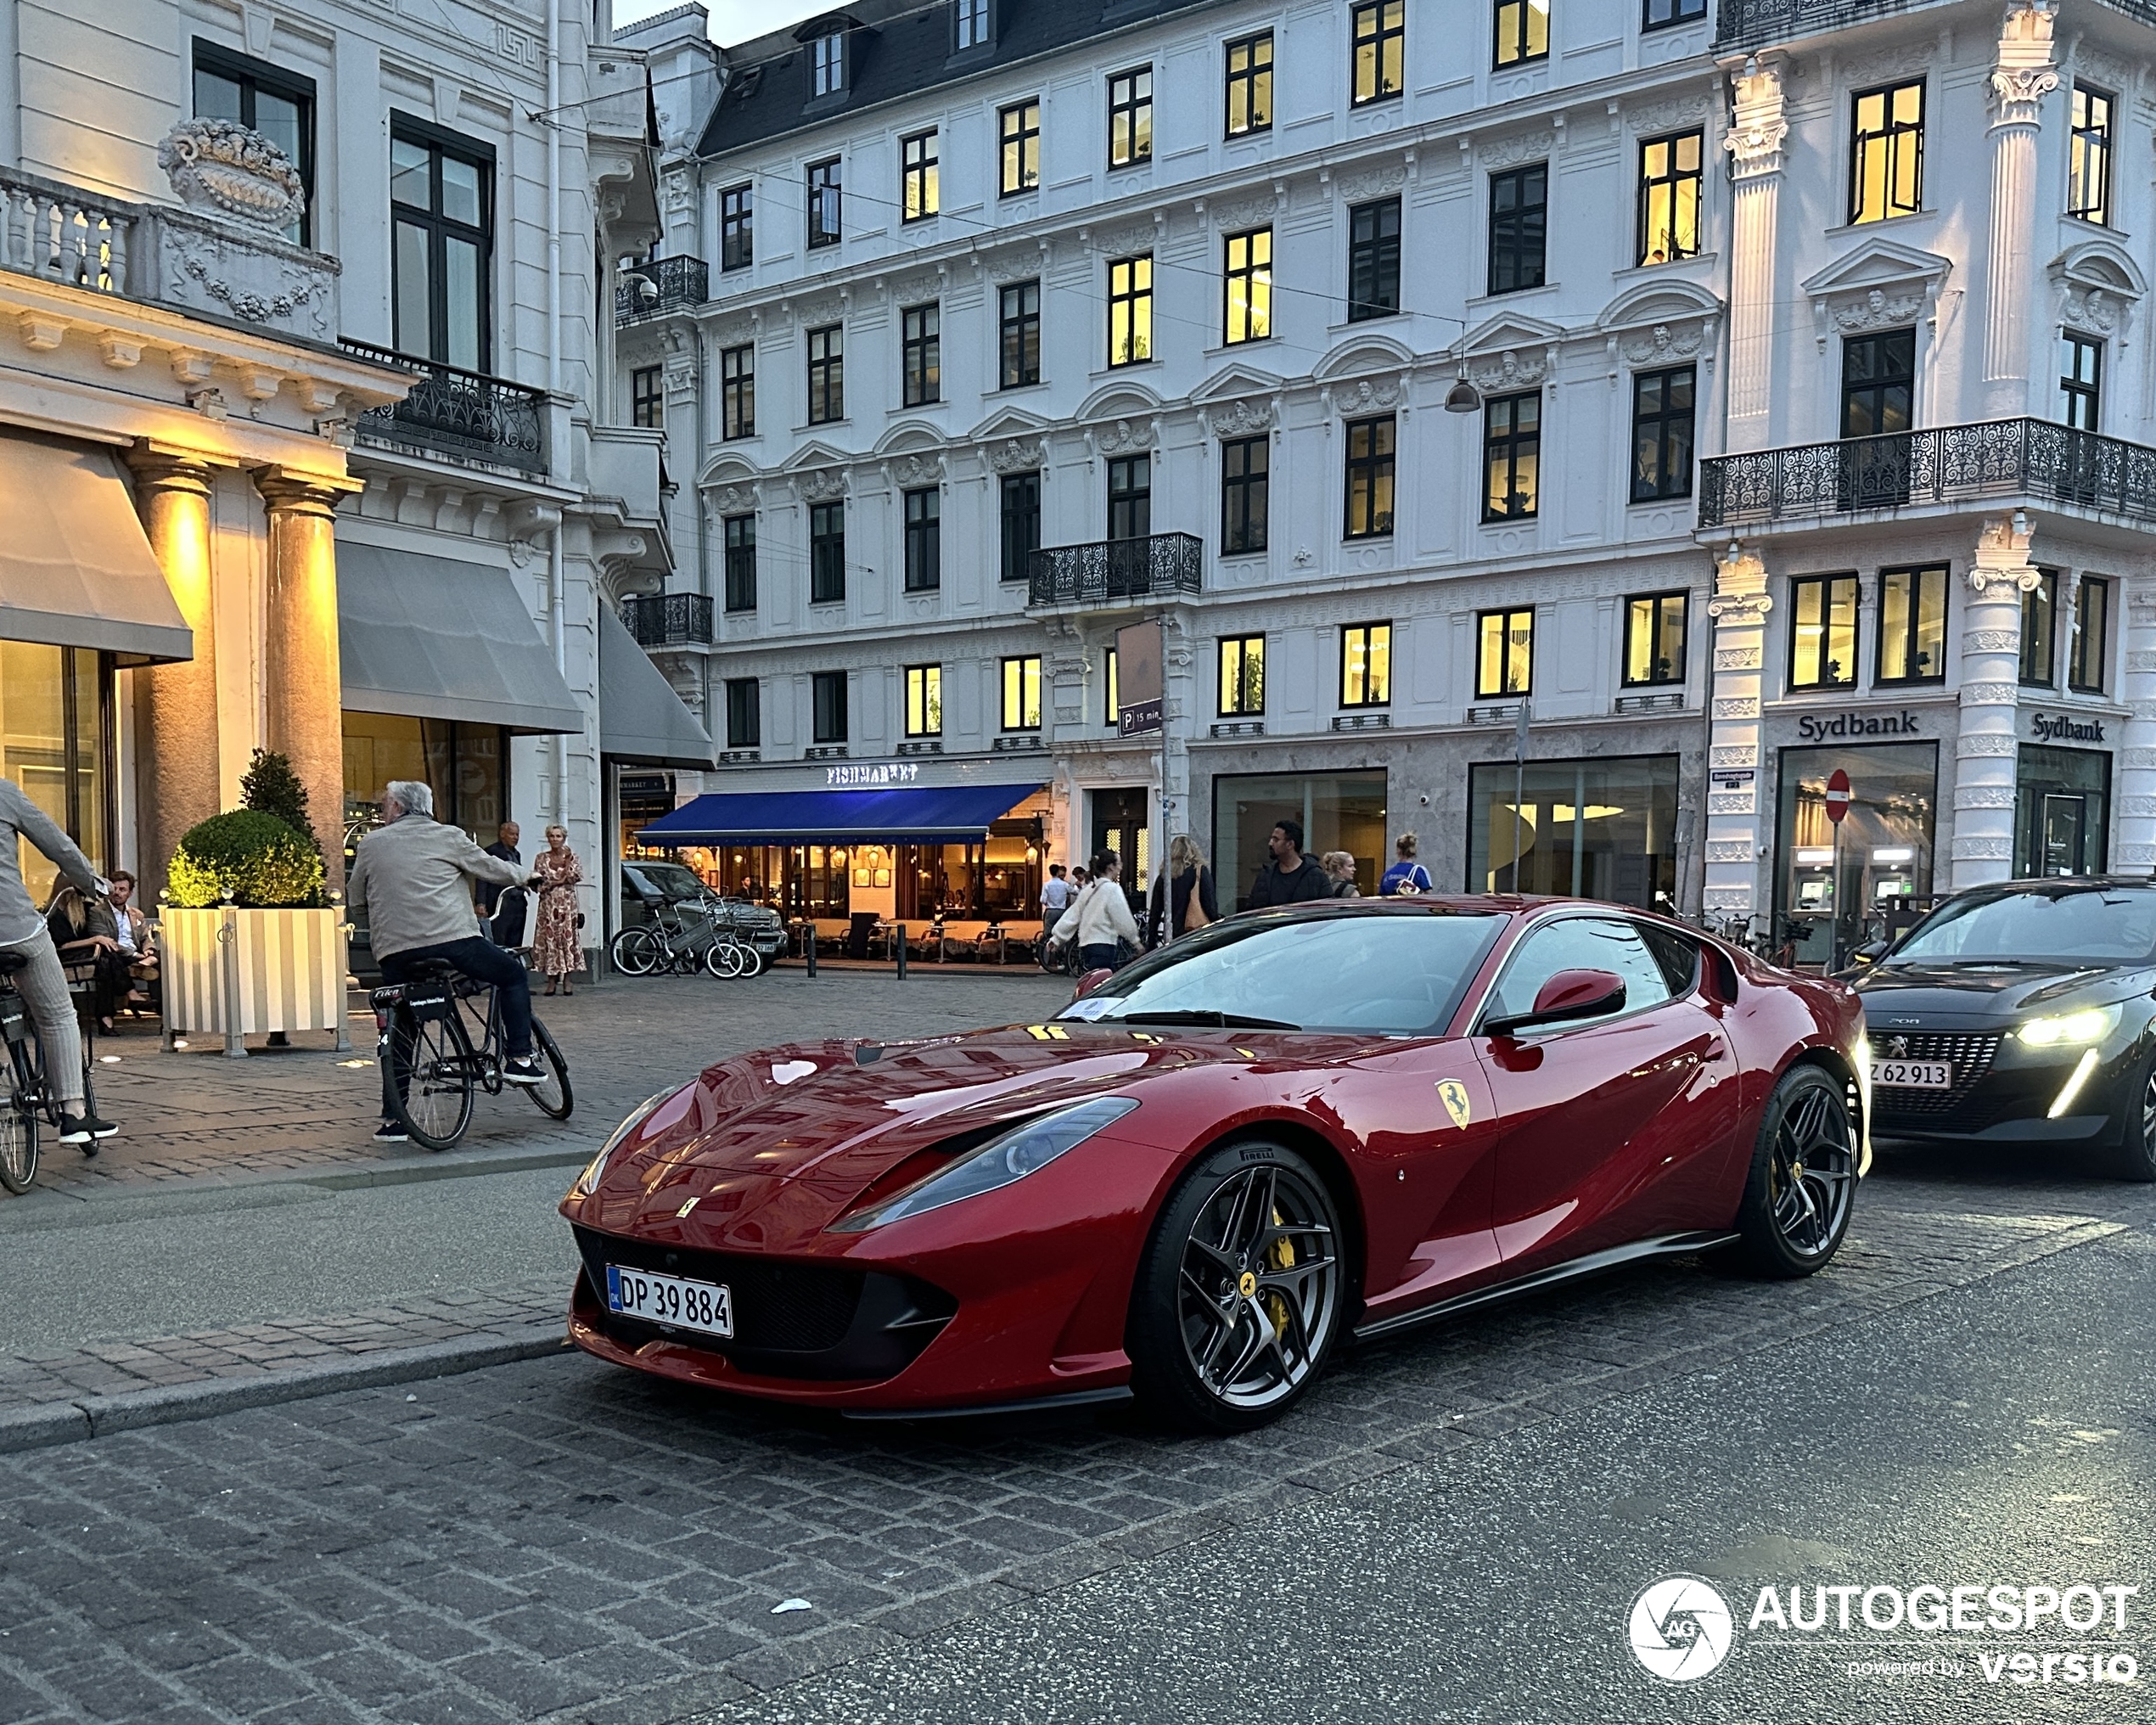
{"type": "Point", "coordinates": [1280, 1256]}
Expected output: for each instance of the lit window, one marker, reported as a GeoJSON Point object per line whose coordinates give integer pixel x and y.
{"type": "Point", "coordinates": [2085, 660]}
{"type": "Point", "coordinates": [1369, 478]}
{"type": "Point", "coordinates": [1020, 126]}
{"type": "Point", "coordinates": [1512, 443]}
{"type": "Point", "coordinates": [1504, 660]}
{"type": "Point", "coordinates": [1248, 273]}
{"type": "Point", "coordinates": [1669, 197]}
{"type": "Point", "coordinates": [1365, 665]}
{"type": "Point", "coordinates": [924, 700]}
{"type": "Point", "coordinates": [919, 190]}
{"type": "Point", "coordinates": [1822, 632]}
{"type": "Point", "coordinates": [1887, 157]}
{"type": "Point", "coordinates": [1523, 32]}
{"type": "Point", "coordinates": [1662, 404]}
{"type": "Point", "coordinates": [1242, 676]}
{"type": "Point", "coordinates": [1912, 625]}
{"type": "Point", "coordinates": [1130, 118]}
{"type": "Point", "coordinates": [1654, 630]}
{"type": "Point", "coordinates": [1130, 311]}
{"type": "Point", "coordinates": [1022, 694]}
{"type": "Point", "coordinates": [2088, 176]}
{"type": "Point", "coordinates": [1250, 85]}
{"type": "Point", "coordinates": [1378, 29]}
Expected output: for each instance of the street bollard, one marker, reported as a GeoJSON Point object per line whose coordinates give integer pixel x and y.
{"type": "Point", "coordinates": [898, 935]}
{"type": "Point", "coordinates": [809, 949]}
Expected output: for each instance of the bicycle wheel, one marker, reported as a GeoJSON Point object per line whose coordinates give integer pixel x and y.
{"type": "Point", "coordinates": [723, 958]}
{"type": "Point", "coordinates": [637, 952]}
{"type": "Point", "coordinates": [19, 1138]}
{"type": "Point", "coordinates": [551, 1093]}
{"type": "Point", "coordinates": [435, 1101]}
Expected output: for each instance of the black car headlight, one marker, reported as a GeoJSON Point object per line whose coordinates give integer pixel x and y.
{"type": "Point", "coordinates": [588, 1181]}
{"type": "Point", "coordinates": [1003, 1159]}
{"type": "Point", "coordinates": [2065, 1029]}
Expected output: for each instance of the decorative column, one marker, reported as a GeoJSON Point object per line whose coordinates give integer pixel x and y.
{"type": "Point", "coordinates": [1990, 693]}
{"type": "Point", "coordinates": [1739, 609]}
{"type": "Point", "coordinates": [179, 776]}
{"type": "Point", "coordinates": [2133, 823]}
{"type": "Point", "coordinates": [2023, 77]}
{"type": "Point", "coordinates": [1754, 146]}
{"type": "Point", "coordinates": [302, 676]}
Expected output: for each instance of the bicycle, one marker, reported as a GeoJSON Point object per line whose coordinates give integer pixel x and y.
{"type": "Point", "coordinates": [430, 1065]}
{"type": "Point", "coordinates": [667, 943]}
{"type": "Point", "coordinates": [28, 1098]}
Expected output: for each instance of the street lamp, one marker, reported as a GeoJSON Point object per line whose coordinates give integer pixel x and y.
{"type": "Point", "coordinates": [1462, 397]}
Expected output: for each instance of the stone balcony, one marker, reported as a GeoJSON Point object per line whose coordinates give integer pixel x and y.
{"type": "Point", "coordinates": [1998, 462]}
{"type": "Point", "coordinates": [1116, 574]}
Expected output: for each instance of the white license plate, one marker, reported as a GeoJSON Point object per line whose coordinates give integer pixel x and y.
{"type": "Point", "coordinates": [1913, 1075]}
{"type": "Point", "coordinates": [670, 1300]}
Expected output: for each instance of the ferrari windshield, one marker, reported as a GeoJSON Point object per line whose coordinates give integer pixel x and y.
{"type": "Point", "coordinates": [1401, 973]}
{"type": "Point", "coordinates": [2055, 925]}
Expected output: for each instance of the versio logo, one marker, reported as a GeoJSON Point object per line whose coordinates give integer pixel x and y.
{"type": "Point", "coordinates": [1681, 1629]}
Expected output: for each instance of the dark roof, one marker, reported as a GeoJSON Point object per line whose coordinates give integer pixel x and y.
{"type": "Point", "coordinates": [896, 48]}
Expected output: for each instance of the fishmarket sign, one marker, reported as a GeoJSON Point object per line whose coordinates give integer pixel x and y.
{"type": "Point", "coordinates": [2064, 728]}
{"type": "Point", "coordinates": [873, 776]}
{"type": "Point", "coordinates": [1822, 727]}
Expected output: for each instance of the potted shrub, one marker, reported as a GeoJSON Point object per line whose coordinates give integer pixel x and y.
{"type": "Point", "coordinates": [250, 942]}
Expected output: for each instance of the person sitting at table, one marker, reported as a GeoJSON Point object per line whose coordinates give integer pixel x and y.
{"type": "Point", "coordinates": [87, 935]}
{"type": "Point", "coordinates": [131, 928]}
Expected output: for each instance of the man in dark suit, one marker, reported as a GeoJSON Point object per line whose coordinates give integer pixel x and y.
{"type": "Point", "coordinates": [503, 908]}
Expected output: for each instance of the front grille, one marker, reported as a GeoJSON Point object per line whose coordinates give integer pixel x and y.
{"type": "Point", "coordinates": [791, 1319]}
{"type": "Point", "coordinates": [1969, 1053]}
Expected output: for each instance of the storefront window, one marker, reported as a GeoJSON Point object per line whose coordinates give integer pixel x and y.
{"type": "Point", "coordinates": [463, 764]}
{"type": "Point", "coordinates": [1336, 811]}
{"type": "Point", "coordinates": [1839, 885]}
{"type": "Point", "coordinates": [1602, 830]}
{"type": "Point", "coordinates": [2063, 812]}
{"type": "Point", "coordinates": [53, 703]}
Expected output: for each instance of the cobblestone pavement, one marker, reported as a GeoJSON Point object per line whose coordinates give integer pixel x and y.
{"type": "Point", "coordinates": [558, 1541]}
{"type": "Point", "coordinates": [193, 1114]}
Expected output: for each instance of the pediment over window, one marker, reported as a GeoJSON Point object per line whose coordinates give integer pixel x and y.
{"type": "Point", "coordinates": [1650, 303]}
{"type": "Point", "coordinates": [2095, 286]}
{"type": "Point", "coordinates": [1509, 329]}
{"type": "Point", "coordinates": [909, 434]}
{"type": "Point", "coordinates": [1009, 421]}
{"type": "Point", "coordinates": [1880, 285]}
{"type": "Point", "coordinates": [1361, 353]}
{"type": "Point", "coordinates": [814, 453]}
{"type": "Point", "coordinates": [1231, 381]}
{"type": "Point", "coordinates": [729, 486]}
{"type": "Point", "coordinates": [1119, 401]}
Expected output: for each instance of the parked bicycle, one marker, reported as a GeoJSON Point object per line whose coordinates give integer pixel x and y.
{"type": "Point", "coordinates": [431, 1065]}
{"type": "Point", "coordinates": [29, 1103]}
{"type": "Point", "coordinates": [683, 937]}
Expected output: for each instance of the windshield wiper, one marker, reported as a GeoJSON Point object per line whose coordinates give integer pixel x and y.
{"type": "Point", "coordinates": [1206, 1015]}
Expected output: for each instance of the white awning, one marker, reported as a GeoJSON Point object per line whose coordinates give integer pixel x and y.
{"type": "Point", "coordinates": [641, 718]}
{"type": "Point", "coordinates": [437, 637]}
{"type": "Point", "coordinates": [75, 567]}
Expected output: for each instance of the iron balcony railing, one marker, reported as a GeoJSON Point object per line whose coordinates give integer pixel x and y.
{"type": "Point", "coordinates": [1750, 24]}
{"type": "Point", "coordinates": [665, 284]}
{"type": "Point", "coordinates": [1114, 570]}
{"type": "Point", "coordinates": [2031, 459]}
{"type": "Point", "coordinates": [669, 620]}
{"type": "Point", "coordinates": [460, 413]}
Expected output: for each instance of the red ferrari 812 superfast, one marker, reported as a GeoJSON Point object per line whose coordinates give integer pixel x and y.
{"type": "Point", "coordinates": [1221, 1162]}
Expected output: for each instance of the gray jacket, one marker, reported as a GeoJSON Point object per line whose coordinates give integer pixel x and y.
{"type": "Point", "coordinates": [414, 880]}
{"type": "Point", "coordinates": [20, 918]}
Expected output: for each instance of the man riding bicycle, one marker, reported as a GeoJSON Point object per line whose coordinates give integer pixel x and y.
{"type": "Point", "coordinates": [41, 982]}
{"type": "Point", "coordinates": [413, 878]}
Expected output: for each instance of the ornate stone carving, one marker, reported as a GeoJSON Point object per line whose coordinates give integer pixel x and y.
{"type": "Point", "coordinates": [1733, 754]}
{"type": "Point", "coordinates": [1740, 610]}
{"type": "Point", "coordinates": [1749, 658]}
{"type": "Point", "coordinates": [1991, 641]}
{"type": "Point", "coordinates": [2101, 68]}
{"type": "Point", "coordinates": [1242, 418]}
{"type": "Point", "coordinates": [1016, 454]}
{"type": "Point", "coordinates": [2025, 74]}
{"type": "Point", "coordinates": [223, 168]}
{"type": "Point", "coordinates": [1245, 212]}
{"type": "Point", "coordinates": [1975, 744]}
{"type": "Point", "coordinates": [2090, 310]}
{"type": "Point", "coordinates": [1738, 706]}
{"type": "Point", "coordinates": [1729, 850]}
{"type": "Point", "coordinates": [732, 331]}
{"type": "Point", "coordinates": [1125, 437]}
{"type": "Point", "coordinates": [912, 289]}
{"type": "Point", "coordinates": [1877, 310]}
{"type": "Point", "coordinates": [1983, 796]}
{"type": "Point", "coordinates": [1761, 123]}
{"type": "Point", "coordinates": [1665, 342]}
{"type": "Point", "coordinates": [1667, 115]}
{"type": "Point", "coordinates": [820, 485]}
{"type": "Point", "coordinates": [1125, 239]}
{"type": "Point", "coordinates": [1373, 183]}
{"type": "Point", "coordinates": [254, 278]}
{"type": "Point", "coordinates": [1509, 370]}
{"type": "Point", "coordinates": [1991, 694]}
{"type": "Point", "coordinates": [1982, 849]}
{"type": "Point", "coordinates": [914, 471]}
{"type": "Point", "coordinates": [1368, 395]}
{"type": "Point", "coordinates": [818, 309]}
{"type": "Point", "coordinates": [1904, 62]}
{"type": "Point", "coordinates": [1525, 146]}
{"type": "Point", "coordinates": [734, 499]}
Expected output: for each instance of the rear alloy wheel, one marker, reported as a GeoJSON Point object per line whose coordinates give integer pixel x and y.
{"type": "Point", "coordinates": [1803, 1181]}
{"type": "Point", "coordinates": [1240, 1294]}
{"type": "Point", "coordinates": [2134, 1158]}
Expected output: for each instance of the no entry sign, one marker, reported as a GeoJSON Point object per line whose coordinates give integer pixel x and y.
{"type": "Point", "coordinates": [1838, 796]}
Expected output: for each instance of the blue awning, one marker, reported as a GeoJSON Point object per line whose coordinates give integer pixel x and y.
{"type": "Point", "coordinates": [948, 815]}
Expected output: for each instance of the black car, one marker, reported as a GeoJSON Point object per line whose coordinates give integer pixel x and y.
{"type": "Point", "coordinates": [2020, 1014]}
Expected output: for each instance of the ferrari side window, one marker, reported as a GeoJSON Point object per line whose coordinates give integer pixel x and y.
{"type": "Point", "coordinates": [1678, 956]}
{"type": "Point", "coordinates": [1579, 943]}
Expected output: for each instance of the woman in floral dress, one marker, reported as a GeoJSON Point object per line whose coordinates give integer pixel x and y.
{"type": "Point", "coordinates": [558, 947]}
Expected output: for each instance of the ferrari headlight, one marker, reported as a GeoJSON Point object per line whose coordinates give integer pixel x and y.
{"type": "Point", "coordinates": [1023, 1151]}
{"type": "Point", "coordinates": [588, 1181]}
{"type": "Point", "coordinates": [2091, 1023]}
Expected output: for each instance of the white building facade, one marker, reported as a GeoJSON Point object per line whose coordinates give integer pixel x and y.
{"type": "Point", "coordinates": [997, 328]}
{"type": "Point", "coordinates": [318, 301]}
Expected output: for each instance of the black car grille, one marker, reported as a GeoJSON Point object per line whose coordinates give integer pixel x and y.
{"type": "Point", "coordinates": [791, 1319]}
{"type": "Point", "coordinates": [1969, 1053]}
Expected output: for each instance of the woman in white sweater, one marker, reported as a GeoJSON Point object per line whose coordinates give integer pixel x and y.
{"type": "Point", "coordinates": [1100, 919]}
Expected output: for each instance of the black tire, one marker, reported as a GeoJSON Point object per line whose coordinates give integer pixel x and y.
{"type": "Point", "coordinates": [433, 1104]}
{"type": "Point", "coordinates": [1245, 1257]}
{"type": "Point", "coordinates": [2135, 1156]}
{"type": "Point", "coordinates": [18, 1147]}
{"type": "Point", "coordinates": [1802, 1185]}
{"type": "Point", "coordinates": [552, 1095]}
{"type": "Point", "coordinates": [635, 951]}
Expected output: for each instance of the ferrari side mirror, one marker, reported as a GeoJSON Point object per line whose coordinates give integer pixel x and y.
{"type": "Point", "coordinates": [1567, 996]}
{"type": "Point", "coordinates": [1090, 981]}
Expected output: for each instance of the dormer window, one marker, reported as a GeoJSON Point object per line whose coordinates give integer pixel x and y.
{"type": "Point", "coordinates": [970, 19]}
{"type": "Point", "coordinates": [829, 52]}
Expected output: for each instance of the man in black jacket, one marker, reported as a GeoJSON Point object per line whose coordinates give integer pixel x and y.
{"type": "Point", "coordinates": [1291, 878]}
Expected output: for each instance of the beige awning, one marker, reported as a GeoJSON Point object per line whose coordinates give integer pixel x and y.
{"type": "Point", "coordinates": [641, 718]}
{"type": "Point", "coordinates": [75, 567]}
{"type": "Point", "coordinates": [438, 638]}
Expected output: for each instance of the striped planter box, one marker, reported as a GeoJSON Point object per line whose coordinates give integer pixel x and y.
{"type": "Point", "coordinates": [291, 967]}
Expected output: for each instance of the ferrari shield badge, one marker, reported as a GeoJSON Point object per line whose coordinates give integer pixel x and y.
{"type": "Point", "coordinates": [1454, 1095]}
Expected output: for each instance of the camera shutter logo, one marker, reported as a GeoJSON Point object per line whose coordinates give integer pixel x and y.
{"type": "Point", "coordinates": [1682, 1629]}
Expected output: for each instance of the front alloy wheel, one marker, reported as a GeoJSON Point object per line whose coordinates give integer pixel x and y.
{"type": "Point", "coordinates": [1803, 1181]}
{"type": "Point", "coordinates": [1240, 1296]}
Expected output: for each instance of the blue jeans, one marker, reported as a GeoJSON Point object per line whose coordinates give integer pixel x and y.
{"type": "Point", "coordinates": [484, 961]}
{"type": "Point", "coordinates": [1099, 958]}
